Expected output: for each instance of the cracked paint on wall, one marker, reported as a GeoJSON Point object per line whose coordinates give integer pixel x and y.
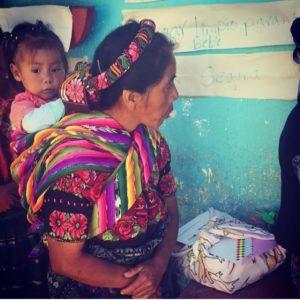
{"type": "Point", "coordinates": [224, 154]}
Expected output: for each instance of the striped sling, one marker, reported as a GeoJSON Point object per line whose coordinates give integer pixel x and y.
{"type": "Point", "coordinates": [86, 141]}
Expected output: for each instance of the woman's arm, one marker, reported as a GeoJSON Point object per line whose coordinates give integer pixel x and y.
{"type": "Point", "coordinates": [68, 259]}
{"type": "Point", "coordinates": [166, 247]}
{"type": "Point", "coordinates": [149, 277]}
{"type": "Point", "coordinates": [67, 218]}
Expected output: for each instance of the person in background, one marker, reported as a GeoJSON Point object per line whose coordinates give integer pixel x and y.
{"type": "Point", "coordinates": [101, 182]}
{"type": "Point", "coordinates": [21, 276]}
{"type": "Point", "coordinates": [35, 57]}
{"type": "Point", "coordinates": [287, 227]}
{"type": "Point", "coordinates": [7, 92]}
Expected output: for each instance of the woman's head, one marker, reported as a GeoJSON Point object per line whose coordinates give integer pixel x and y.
{"type": "Point", "coordinates": [145, 72]}
{"type": "Point", "coordinates": [295, 31]}
{"type": "Point", "coordinates": [35, 57]}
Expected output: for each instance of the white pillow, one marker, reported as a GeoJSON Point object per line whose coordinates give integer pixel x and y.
{"type": "Point", "coordinates": [58, 17]}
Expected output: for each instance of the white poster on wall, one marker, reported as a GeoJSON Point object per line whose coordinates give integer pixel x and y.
{"type": "Point", "coordinates": [268, 75]}
{"type": "Point", "coordinates": [58, 17]}
{"type": "Point", "coordinates": [223, 26]}
{"type": "Point", "coordinates": [140, 1]}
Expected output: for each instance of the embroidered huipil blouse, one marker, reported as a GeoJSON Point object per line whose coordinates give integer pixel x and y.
{"type": "Point", "coordinates": [68, 209]}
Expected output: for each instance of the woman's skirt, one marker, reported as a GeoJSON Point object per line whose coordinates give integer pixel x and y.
{"type": "Point", "coordinates": [295, 272]}
{"type": "Point", "coordinates": [63, 287]}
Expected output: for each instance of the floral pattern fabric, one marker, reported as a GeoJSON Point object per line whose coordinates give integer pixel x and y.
{"type": "Point", "coordinates": [68, 206]}
{"type": "Point", "coordinates": [67, 226]}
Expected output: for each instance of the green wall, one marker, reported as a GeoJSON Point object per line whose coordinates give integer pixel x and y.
{"type": "Point", "coordinates": [224, 150]}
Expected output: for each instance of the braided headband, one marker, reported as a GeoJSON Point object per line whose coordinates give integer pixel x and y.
{"type": "Point", "coordinates": [80, 86]}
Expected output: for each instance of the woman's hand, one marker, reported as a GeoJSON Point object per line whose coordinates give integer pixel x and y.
{"type": "Point", "coordinates": [146, 284]}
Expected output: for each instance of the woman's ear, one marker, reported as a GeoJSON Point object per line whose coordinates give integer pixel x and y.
{"type": "Point", "coordinates": [130, 99]}
{"type": "Point", "coordinates": [15, 72]}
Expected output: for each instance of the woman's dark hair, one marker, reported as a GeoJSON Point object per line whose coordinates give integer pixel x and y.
{"type": "Point", "coordinates": [31, 37]}
{"type": "Point", "coordinates": [146, 71]}
{"type": "Point", "coordinates": [295, 31]}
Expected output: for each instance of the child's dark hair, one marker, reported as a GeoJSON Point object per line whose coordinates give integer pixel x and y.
{"type": "Point", "coordinates": [295, 31]}
{"type": "Point", "coordinates": [146, 71]}
{"type": "Point", "coordinates": [31, 37]}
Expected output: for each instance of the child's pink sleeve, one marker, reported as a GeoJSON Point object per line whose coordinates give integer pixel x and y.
{"type": "Point", "coordinates": [22, 105]}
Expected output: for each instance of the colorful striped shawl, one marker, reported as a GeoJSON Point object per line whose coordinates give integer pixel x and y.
{"type": "Point", "coordinates": [86, 141]}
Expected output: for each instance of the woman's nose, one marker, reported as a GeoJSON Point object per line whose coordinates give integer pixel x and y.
{"type": "Point", "coordinates": [175, 93]}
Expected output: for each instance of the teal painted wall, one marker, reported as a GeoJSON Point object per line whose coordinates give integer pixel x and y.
{"type": "Point", "coordinates": [224, 150]}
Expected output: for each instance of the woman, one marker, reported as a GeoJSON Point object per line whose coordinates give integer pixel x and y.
{"type": "Point", "coordinates": [101, 182]}
{"type": "Point", "coordinates": [288, 226]}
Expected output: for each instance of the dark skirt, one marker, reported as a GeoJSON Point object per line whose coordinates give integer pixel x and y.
{"type": "Point", "coordinates": [21, 276]}
{"type": "Point", "coordinates": [295, 272]}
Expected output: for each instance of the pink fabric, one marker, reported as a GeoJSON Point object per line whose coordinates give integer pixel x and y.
{"type": "Point", "coordinates": [23, 104]}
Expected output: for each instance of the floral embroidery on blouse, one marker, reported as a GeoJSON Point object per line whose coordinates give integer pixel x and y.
{"type": "Point", "coordinates": [148, 209]}
{"type": "Point", "coordinates": [68, 226]}
{"type": "Point", "coordinates": [85, 186]}
{"type": "Point", "coordinates": [164, 154]}
{"type": "Point", "coordinates": [167, 184]}
{"type": "Point", "coordinates": [82, 183]}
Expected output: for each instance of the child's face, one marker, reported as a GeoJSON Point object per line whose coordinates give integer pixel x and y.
{"type": "Point", "coordinates": [41, 73]}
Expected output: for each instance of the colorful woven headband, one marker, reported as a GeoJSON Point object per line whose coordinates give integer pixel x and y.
{"type": "Point", "coordinates": [80, 86]}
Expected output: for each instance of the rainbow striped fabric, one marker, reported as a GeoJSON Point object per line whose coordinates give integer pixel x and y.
{"type": "Point", "coordinates": [241, 250]}
{"type": "Point", "coordinates": [85, 141]}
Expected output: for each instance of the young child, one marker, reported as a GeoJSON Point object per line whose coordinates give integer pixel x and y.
{"type": "Point", "coordinates": [36, 59]}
